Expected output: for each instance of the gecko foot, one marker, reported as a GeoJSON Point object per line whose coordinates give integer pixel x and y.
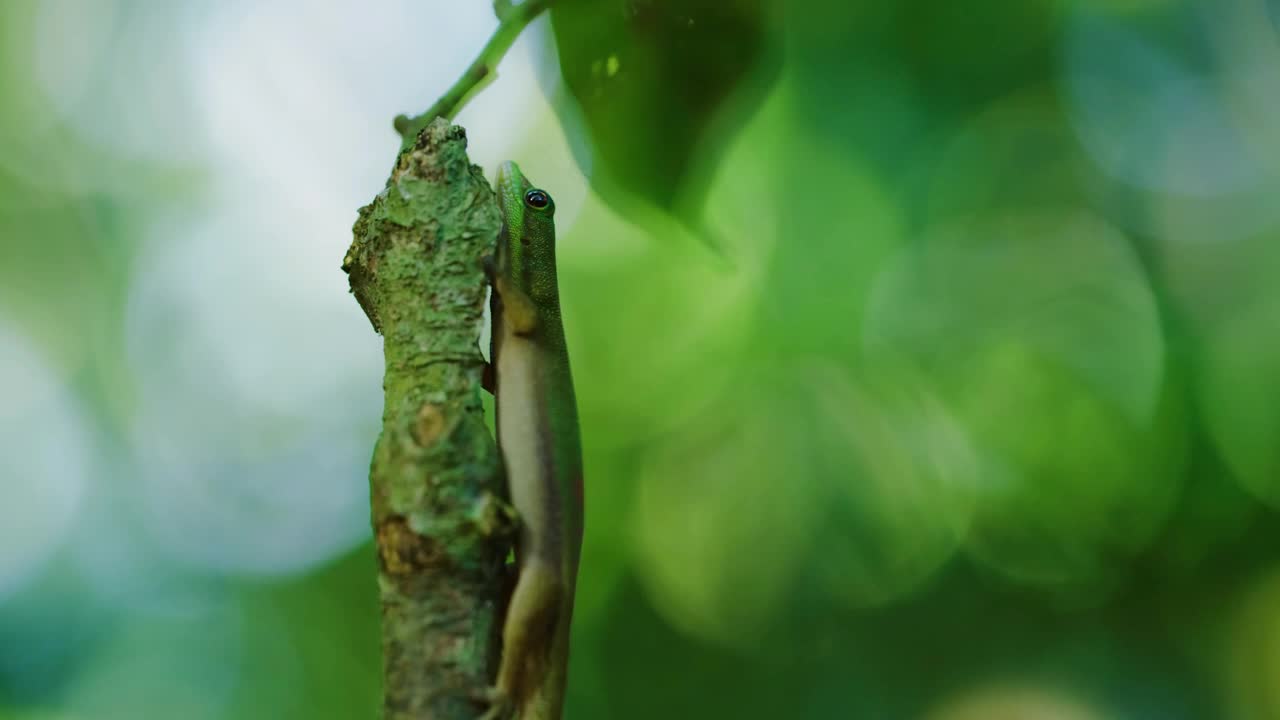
{"type": "Point", "coordinates": [495, 516]}
{"type": "Point", "coordinates": [498, 703]}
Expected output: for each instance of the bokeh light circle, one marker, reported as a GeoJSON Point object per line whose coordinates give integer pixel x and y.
{"type": "Point", "coordinates": [88, 57]}
{"type": "Point", "coordinates": [1151, 116]}
{"type": "Point", "coordinates": [258, 398]}
{"type": "Point", "coordinates": [1240, 393]}
{"type": "Point", "coordinates": [1042, 333]}
{"type": "Point", "coordinates": [1251, 661]}
{"type": "Point", "coordinates": [1018, 701]}
{"type": "Point", "coordinates": [897, 474]}
{"type": "Point", "coordinates": [45, 459]}
{"type": "Point", "coordinates": [200, 657]}
{"type": "Point", "coordinates": [721, 521]}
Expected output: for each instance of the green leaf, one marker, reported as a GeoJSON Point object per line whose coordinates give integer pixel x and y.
{"type": "Point", "coordinates": [660, 86]}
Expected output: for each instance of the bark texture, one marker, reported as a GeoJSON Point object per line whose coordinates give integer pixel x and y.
{"type": "Point", "coordinates": [439, 519]}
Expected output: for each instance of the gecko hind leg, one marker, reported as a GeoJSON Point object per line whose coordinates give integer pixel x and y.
{"type": "Point", "coordinates": [499, 704]}
{"type": "Point", "coordinates": [527, 637]}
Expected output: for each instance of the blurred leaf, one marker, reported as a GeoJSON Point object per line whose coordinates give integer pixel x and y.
{"type": "Point", "coordinates": [661, 86]}
{"type": "Point", "coordinates": [938, 50]}
{"type": "Point", "coordinates": [950, 49]}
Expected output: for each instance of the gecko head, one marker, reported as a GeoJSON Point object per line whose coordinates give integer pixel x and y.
{"type": "Point", "coordinates": [528, 230]}
{"type": "Point", "coordinates": [518, 199]}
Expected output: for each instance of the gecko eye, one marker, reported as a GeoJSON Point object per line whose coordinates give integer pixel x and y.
{"type": "Point", "coordinates": [537, 199]}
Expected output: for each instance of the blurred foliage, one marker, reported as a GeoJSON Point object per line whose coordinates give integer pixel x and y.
{"type": "Point", "coordinates": [654, 80]}
{"type": "Point", "coordinates": [970, 413]}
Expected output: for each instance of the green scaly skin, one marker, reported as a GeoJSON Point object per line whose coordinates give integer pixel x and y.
{"type": "Point", "coordinates": [537, 427]}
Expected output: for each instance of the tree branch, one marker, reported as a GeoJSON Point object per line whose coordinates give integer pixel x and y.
{"type": "Point", "coordinates": [513, 20]}
{"type": "Point", "coordinates": [441, 529]}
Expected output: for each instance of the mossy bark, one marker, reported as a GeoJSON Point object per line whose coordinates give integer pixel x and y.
{"type": "Point", "coordinates": [416, 268]}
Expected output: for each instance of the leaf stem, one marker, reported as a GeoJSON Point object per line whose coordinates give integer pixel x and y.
{"type": "Point", "coordinates": [513, 20]}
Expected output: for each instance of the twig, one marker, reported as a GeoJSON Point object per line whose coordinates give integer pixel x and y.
{"type": "Point", "coordinates": [513, 20]}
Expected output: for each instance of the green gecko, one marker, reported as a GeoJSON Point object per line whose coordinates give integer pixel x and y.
{"type": "Point", "coordinates": [537, 428]}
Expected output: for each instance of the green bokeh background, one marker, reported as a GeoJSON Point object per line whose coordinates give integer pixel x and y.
{"type": "Point", "coordinates": [938, 379]}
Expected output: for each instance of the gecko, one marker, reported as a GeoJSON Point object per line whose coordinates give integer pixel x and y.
{"type": "Point", "coordinates": [540, 445]}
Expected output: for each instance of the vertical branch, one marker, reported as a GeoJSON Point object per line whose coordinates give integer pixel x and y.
{"type": "Point", "coordinates": [415, 267]}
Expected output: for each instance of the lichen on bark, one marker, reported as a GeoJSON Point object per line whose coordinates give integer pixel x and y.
{"type": "Point", "coordinates": [415, 267]}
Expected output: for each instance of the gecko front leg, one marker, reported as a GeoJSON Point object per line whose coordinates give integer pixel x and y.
{"type": "Point", "coordinates": [518, 308]}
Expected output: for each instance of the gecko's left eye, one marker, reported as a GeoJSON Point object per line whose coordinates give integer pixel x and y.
{"type": "Point", "coordinates": [537, 199]}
